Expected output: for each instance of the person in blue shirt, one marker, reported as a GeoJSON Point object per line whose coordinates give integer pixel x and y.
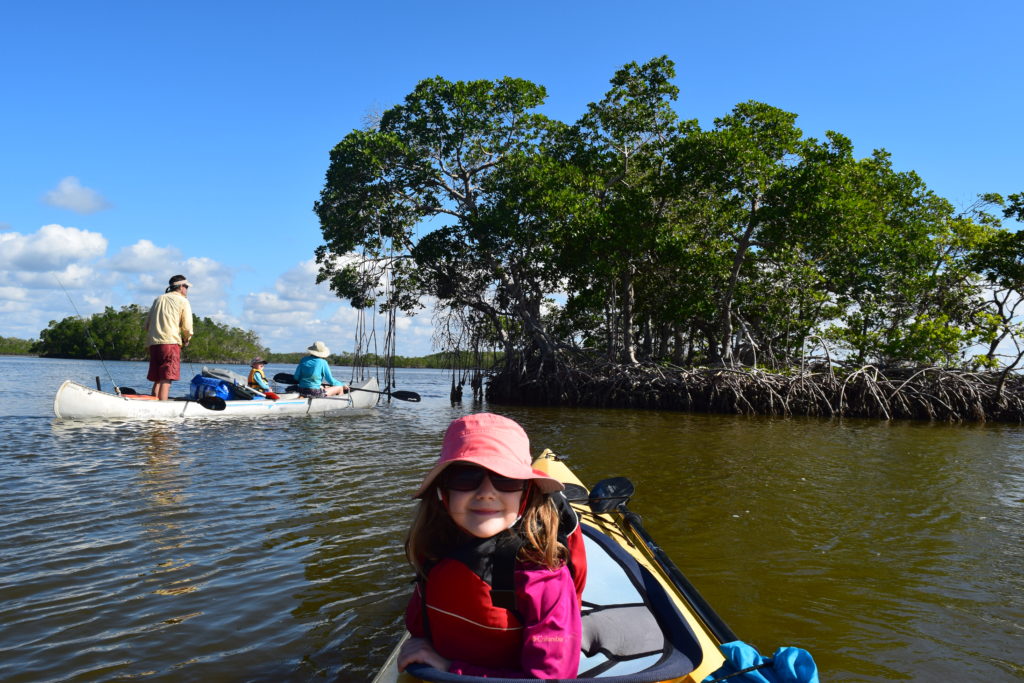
{"type": "Point", "coordinates": [313, 375]}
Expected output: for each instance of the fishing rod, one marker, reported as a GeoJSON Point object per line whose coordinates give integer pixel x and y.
{"type": "Point", "coordinates": [88, 334]}
{"type": "Point", "coordinates": [187, 357]}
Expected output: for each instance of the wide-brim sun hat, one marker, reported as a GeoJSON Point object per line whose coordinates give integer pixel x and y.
{"type": "Point", "coordinates": [257, 361]}
{"type": "Point", "coordinates": [493, 442]}
{"type": "Point", "coordinates": [319, 349]}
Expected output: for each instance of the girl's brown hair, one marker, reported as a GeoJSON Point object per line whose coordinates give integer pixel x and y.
{"type": "Point", "coordinates": [434, 534]}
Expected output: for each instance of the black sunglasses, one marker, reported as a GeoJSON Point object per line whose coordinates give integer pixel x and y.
{"type": "Point", "coordinates": [470, 478]}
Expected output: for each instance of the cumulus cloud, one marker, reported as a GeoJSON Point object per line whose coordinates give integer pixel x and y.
{"type": "Point", "coordinates": [73, 276]}
{"type": "Point", "coordinates": [299, 284]}
{"type": "Point", "coordinates": [14, 300]}
{"type": "Point", "coordinates": [144, 257]}
{"type": "Point", "coordinates": [268, 304]}
{"type": "Point", "coordinates": [13, 293]}
{"type": "Point", "coordinates": [207, 274]}
{"type": "Point", "coordinates": [210, 294]}
{"type": "Point", "coordinates": [71, 194]}
{"type": "Point", "coordinates": [52, 247]}
{"type": "Point", "coordinates": [61, 271]}
{"type": "Point", "coordinates": [299, 311]}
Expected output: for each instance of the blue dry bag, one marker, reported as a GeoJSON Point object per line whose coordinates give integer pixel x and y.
{"type": "Point", "coordinates": [209, 386]}
{"type": "Point", "coordinates": [744, 664]}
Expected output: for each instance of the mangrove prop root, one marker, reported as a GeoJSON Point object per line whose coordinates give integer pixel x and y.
{"type": "Point", "coordinates": [923, 393]}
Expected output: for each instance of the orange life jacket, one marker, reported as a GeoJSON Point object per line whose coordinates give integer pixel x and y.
{"type": "Point", "coordinates": [252, 379]}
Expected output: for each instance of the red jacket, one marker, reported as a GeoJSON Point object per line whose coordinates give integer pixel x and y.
{"type": "Point", "coordinates": [536, 634]}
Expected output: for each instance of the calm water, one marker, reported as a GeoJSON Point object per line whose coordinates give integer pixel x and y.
{"type": "Point", "coordinates": [271, 550]}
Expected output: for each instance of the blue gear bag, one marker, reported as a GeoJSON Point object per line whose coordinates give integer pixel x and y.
{"type": "Point", "coordinates": [209, 386]}
{"type": "Point", "coordinates": [787, 665]}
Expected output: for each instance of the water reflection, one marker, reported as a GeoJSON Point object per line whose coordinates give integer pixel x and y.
{"type": "Point", "coordinates": [355, 508]}
{"type": "Point", "coordinates": [162, 483]}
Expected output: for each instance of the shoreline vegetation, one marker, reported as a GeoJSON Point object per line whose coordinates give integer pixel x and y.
{"type": "Point", "coordinates": [820, 390]}
{"type": "Point", "coordinates": [637, 258]}
{"type": "Point", "coordinates": [929, 393]}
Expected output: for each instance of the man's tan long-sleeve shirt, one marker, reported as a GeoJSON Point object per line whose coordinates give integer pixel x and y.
{"type": "Point", "coordinates": [169, 320]}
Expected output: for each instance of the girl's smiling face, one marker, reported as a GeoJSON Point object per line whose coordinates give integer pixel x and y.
{"type": "Point", "coordinates": [485, 511]}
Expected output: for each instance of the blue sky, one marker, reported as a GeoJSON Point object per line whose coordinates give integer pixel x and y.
{"type": "Point", "coordinates": [139, 140]}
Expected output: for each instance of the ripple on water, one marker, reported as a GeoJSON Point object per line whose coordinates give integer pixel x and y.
{"type": "Point", "coordinates": [272, 549]}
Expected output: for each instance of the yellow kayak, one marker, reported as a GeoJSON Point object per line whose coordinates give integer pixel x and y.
{"type": "Point", "coordinates": [643, 621]}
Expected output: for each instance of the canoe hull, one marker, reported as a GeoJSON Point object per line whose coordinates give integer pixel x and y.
{"type": "Point", "coordinates": [76, 401]}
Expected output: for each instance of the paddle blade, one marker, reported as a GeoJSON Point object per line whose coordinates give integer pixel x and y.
{"type": "Point", "coordinates": [271, 395]}
{"type": "Point", "coordinates": [607, 494]}
{"type": "Point", "coordinates": [212, 403]}
{"type": "Point", "coordinates": [410, 396]}
{"type": "Point", "coordinates": [285, 378]}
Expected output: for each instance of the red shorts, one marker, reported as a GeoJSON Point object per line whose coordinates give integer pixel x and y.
{"type": "Point", "coordinates": [164, 362]}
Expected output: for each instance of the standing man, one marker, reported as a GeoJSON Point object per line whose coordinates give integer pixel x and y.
{"type": "Point", "coordinates": [168, 329]}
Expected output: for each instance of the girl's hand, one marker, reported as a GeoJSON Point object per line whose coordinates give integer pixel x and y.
{"type": "Point", "coordinates": [420, 651]}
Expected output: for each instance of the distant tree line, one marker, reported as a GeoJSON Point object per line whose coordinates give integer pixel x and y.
{"type": "Point", "coordinates": [12, 346]}
{"type": "Point", "coordinates": [120, 335]}
{"type": "Point", "coordinates": [634, 236]}
{"type": "Point", "coordinates": [443, 360]}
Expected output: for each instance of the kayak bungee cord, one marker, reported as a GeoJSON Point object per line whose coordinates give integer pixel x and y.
{"type": "Point", "coordinates": [117, 389]}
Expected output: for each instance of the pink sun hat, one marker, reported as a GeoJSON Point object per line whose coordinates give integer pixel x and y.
{"type": "Point", "coordinates": [493, 442]}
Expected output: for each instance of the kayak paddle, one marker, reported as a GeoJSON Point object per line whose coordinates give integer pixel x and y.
{"type": "Point", "coordinates": [410, 396]}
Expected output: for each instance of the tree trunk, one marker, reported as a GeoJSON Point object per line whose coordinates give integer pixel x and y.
{"type": "Point", "coordinates": [677, 349]}
{"type": "Point", "coordinates": [628, 344]}
{"type": "Point", "coordinates": [609, 325]}
{"type": "Point", "coordinates": [648, 339]}
{"type": "Point", "coordinates": [728, 296]}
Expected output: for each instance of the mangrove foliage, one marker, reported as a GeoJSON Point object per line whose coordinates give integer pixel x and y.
{"type": "Point", "coordinates": [634, 237]}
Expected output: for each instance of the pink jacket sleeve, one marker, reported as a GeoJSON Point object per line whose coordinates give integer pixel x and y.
{"type": "Point", "coordinates": [547, 602]}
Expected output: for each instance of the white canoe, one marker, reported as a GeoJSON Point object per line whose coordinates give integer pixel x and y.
{"type": "Point", "coordinates": [76, 401]}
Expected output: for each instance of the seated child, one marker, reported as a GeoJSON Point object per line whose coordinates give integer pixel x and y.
{"type": "Point", "coordinates": [257, 379]}
{"type": "Point", "coordinates": [487, 519]}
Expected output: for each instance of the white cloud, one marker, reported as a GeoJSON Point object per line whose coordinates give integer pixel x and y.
{"type": "Point", "coordinates": [52, 247]}
{"type": "Point", "coordinates": [269, 304]}
{"type": "Point", "coordinates": [14, 300]}
{"type": "Point", "coordinates": [72, 195]}
{"type": "Point", "coordinates": [144, 257]}
{"type": "Point", "coordinates": [152, 266]}
{"type": "Point", "coordinates": [61, 271]}
{"type": "Point", "coordinates": [210, 278]}
{"type": "Point", "coordinates": [73, 276]}
{"type": "Point", "coordinates": [13, 294]}
{"type": "Point", "coordinates": [299, 284]}
{"type": "Point", "coordinates": [298, 311]}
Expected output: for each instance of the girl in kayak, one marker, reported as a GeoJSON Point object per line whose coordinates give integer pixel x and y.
{"type": "Point", "coordinates": [494, 594]}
